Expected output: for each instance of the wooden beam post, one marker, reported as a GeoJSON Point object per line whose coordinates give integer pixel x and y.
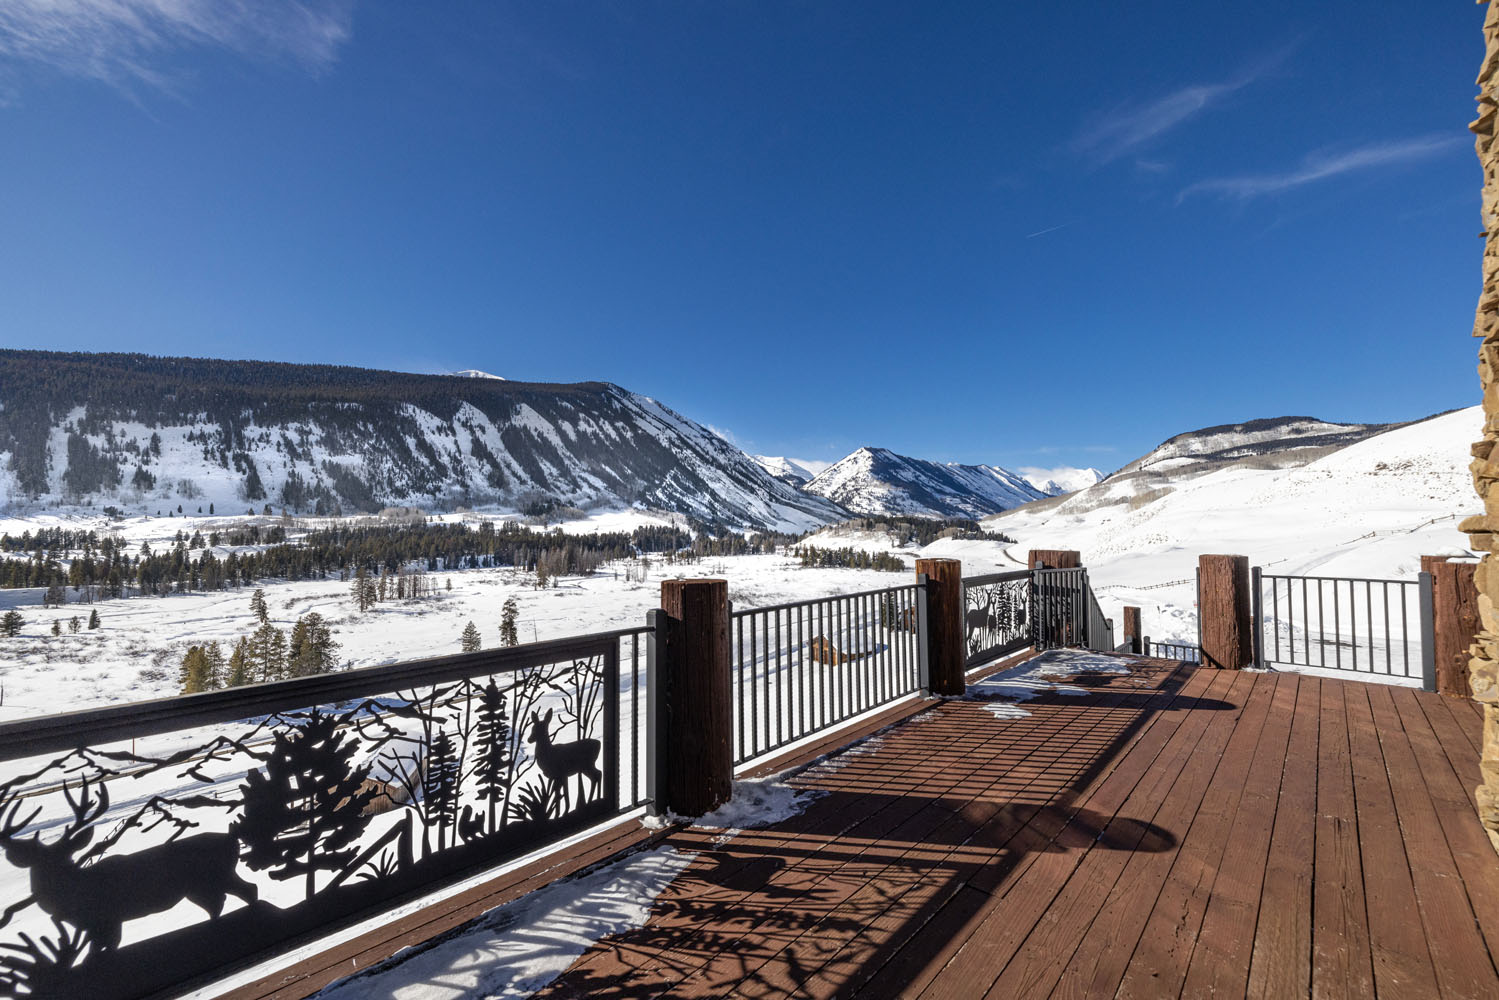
{"type": "Point", "coordinates": [946, 651]}
{"type": "Point", "coordinates": [1224, 612]}
{"type": "Point", "coordinates": [698, 705]}
{"type": "Point", "coordinates": [1054, 559]}
{"type": "Point", "coordinates": [1455, 610]}
{"type": "Point", "coordinates": [1132, 628]}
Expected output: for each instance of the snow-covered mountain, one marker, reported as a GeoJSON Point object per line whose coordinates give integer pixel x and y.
{"type": "Point", "coordinates": [1365, 509]}
{"type": "Point", "coordinates": [787, 471]}
{"type": "Point", "coordinates": [147, 433]}
{"type": "Point", "coordinates": [878, 481]}
{"type": "Point", "coordinates": [1270, 436]}
{"type": "Point", "coordinates": [1055, 482]}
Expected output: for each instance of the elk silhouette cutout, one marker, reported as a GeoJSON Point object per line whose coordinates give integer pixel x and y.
{"type": "Point", "coordinates": [561, 761]}
{"type": "Point", "coordinates": [99, 898]}
{"type": "Point", "coordinates": [982, 619]}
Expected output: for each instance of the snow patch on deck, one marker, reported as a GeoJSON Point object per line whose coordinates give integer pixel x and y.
{"type": "Point", "coordinates": [516, 949]}
{"type": "Point", "coordinates": [1041, 675]}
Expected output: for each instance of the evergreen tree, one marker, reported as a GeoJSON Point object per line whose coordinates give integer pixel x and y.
{"type": "Point", "coordinates": [258, 607]}
{"type": "Point", "coordinates": [470, 640]}
{"type": "Point", "coordinates": [312, 646]}
{"type": "Point", "coordinates": [509, 617]}
{"type": "Point", "coordinates": [74, 624]}
{"type": "Point", "coordinates": [493, 743]}
{"type": "Point", "coordinates": [239, 664]}
{"type": "Point", "coordinates": [267, 653]}
{"type": "Point", "coordinates": [93, 619]}
{"type": "Point", "coordinates": [10, 623]}
{"type": "Point", "coordinates": [214, 654]}
{"type": "Point", "coordinates": [305, 810]}
{"type": "Point", "coordinates": [210, 508]}
{"type": "Point", "coordinates": [57, 626]}
{"type": "Point", "coordinates": [195, 674]}
{"type": "Point", "coordinates": [359, 591]}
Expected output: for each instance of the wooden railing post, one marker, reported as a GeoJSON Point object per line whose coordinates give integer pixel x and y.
{"type": "Point", "coordinates": [698, 740]}
{"type": "Point", "coordinates": [1054, 559]}
{"type": "Point", "coordinates": [1224, 612]}
{"type": "Point", "coordinates": [946, 651]}
{"type": "Point", "coordinates": [1132, 628]}
{"type": "Point", "coordinates": [1455, 621]}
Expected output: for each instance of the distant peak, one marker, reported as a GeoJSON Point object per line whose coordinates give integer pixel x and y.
{"type": "Point", "coordinates": [476, 373]}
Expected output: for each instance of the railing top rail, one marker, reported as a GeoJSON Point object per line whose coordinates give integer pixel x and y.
{"type": "Point", "coordinates": [1336, 579]}
{"type": "Point", "coordinates": [1058, 570]}
{"type": "Point", "coordinates": [93, 726]}
{"type": "Point", "coordinates": [979, 581]}
{"type": "Point", "coordinates": [901, 589]}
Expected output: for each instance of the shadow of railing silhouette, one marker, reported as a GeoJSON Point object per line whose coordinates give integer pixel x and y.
{"type": "Point", "coordinates": [815, 907]}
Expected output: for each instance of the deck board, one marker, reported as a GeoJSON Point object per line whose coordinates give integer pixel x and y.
{"type": "Point", "coordinates": [1174, 831]}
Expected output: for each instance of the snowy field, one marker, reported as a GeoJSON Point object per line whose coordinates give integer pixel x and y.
{"type": "Point", "coordinates": [1369, 510]}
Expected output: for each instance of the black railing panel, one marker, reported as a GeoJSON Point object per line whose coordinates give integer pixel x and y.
{"type": "Point", "coordinates": [804, 667]}
{"type": "Point", "coordinates": [997, 615]}
{"type": "Point", "coordinates": [1352, 624]}
{"type": "Point", "coordinates": [153, 845]}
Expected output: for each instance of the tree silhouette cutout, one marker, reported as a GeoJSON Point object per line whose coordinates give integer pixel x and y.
{"type": "Point", "coordinates": [440, 786]}
{"type": "Point", "coordinates": [305, 808]}
{"type": "Point", "coordinates": [492, 767]}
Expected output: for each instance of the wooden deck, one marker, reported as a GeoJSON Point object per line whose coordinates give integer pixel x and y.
{"type": "Point", "coordinates": [1175, 832]}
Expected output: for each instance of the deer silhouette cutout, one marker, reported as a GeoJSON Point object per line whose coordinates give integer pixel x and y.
{"type": "Point", "coordinates": [561, 761]}
{"type": "Point", "coordinates": [980, 619]}
{"type": "Point", "coordinates": [98, 898]}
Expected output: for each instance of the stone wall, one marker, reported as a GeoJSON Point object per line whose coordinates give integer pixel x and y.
{"type": "Point", "coordinates": [1483, 529]}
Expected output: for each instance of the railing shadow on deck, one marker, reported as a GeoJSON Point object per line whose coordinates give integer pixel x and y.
{"type": "Point", "coordinates": [874, 898]}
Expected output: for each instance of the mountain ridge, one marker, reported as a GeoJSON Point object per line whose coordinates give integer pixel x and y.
{"type": "Point", "coordinates": [147, 430]}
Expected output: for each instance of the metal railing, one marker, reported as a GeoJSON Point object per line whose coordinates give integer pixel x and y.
{"type": "Point", "coordinates": [313, 802]}
{"type": "Point", "coordinates": [1353, 624]}
{"type": "Point", "coordinates": [998, 615]}
{"type": "Point", "coordinates": [1186, 651]}
{"type": "Point", "coordinates": [812, 665]}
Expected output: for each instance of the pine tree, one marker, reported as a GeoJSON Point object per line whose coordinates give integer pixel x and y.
{"type": "Point", "coordinates": [93, 619]}
{"type": "Point", "coordinates": [268, 653]}
{"type": "Point", "coordinates": [312, 646]}
{"type": "Point", "coordinates": [470, 640]}
{"type": "Point", "coordinates": [213, 653]}
{"type": "Point", "coordinates": [74, 624]}
{"type": "Point", "coordinates": [11, 623]}
{"type": "Point", "coordinates": [509, 617]}
{"type": "Point", "coordinates": [239, 664]}
{"type": "Point", "coordinates": [357, 591]}
{"type": "Point", "coordinates": [258, 607]}
{"type": "Point", "coordinates": [195, 673]}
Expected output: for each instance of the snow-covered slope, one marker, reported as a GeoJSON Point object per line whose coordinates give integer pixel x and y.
{"type": "Point", "coordinates": [1368, 509]}
{"type": "Point", "coordinates": [151, 433]}
{"type": "Point", "coordinates": [877, 481]}
{"type": "Point", "coordinates": [476, 373]}
{"type": "Point", "coordinates": [785, 469]}
{"type": "Point", "coordinates": [1055, 482]}
{"type": "Point", "coordinates": [1227, 442]}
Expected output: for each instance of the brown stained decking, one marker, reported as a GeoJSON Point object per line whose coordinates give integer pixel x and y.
{"type": "Point", "coordinates": [1174, 832]}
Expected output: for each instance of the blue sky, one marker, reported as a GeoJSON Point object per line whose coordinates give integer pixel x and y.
{"type": "Point", "coordinates": [1031, 234]}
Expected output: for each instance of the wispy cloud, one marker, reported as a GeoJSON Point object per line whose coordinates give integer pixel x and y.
{"type": "Point", "coordinates": [1051, 229]}
{"type": "Point", "coordinates": [1122, 130]}
{"type": "Point", "coordinates": [1322, 165]}
{"type": "Point", "coordinates": [129, 44]}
